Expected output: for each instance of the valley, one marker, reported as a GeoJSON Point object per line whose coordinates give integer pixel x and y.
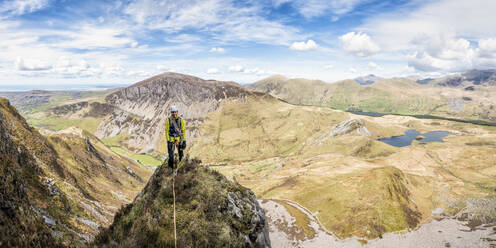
{"type": "Point", "coordinates": [324, 165]}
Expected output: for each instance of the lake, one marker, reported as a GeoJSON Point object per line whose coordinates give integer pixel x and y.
{"type": "Point", "coordinates": [410, 135]}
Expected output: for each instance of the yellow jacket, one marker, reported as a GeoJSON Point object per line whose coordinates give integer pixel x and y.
{"type": "Point", "coordinates": [170, 138]}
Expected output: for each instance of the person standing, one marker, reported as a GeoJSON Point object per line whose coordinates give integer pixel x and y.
{"type": "Point", "coordinates": [175, 134]}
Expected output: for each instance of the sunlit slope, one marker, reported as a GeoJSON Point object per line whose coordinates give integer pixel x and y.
{"type": "Point", "coordinates": [396, 95]}
{"type": "Point", "coordinates": [357, 185]}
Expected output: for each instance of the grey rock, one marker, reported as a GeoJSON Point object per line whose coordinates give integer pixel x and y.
{"type": "Point", "coordinates": [353, 125]}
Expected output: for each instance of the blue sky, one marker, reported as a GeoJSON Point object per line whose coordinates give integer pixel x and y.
{"type": "Point", "coordinates": [94, 42]}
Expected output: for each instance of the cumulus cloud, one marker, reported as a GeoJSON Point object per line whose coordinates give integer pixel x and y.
{"type": "Point", "coordinates": [352, 70]}
{"type": "Point", "coordinates": [329, 66]}
{"type": "Point", "coordinates": [441, 53]}
{"type": "Point", "coordinates": [359, 44]}
{"type": "Point", "coordinates": [235, 68]}
{"type": "Point", "coordinates": [487, 48]}
{"type": "Point", "coordinates": [31, 65]}
{"type": "Point", "coordinates": [217, 50]}
{"type": "Point", "coordinates": [255, 70]}
{"type": "Point", "coordinates": [443, 35]}
{"type": "Point", "coordinates": [213, 71]}
{"type": "Point", "coordinates": [304, 46]}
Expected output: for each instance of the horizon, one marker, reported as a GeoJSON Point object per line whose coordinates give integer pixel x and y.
{"type": "Point", "coordinates": [73, 43]}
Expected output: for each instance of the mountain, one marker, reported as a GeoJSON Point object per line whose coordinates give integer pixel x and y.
{"type": "Point", "coordinates": [465, 79]}
{"type": "Point", "coordinates": [211, 212]}
{"type": "Point", "coordinates": [83, 182]}
{"type": "Point", "coordinates": [142, 109]}
{"type": "Point", "coordinates": [368, 80]}
{"type": "Point", "coordinates": [327, 161]}
{"type": "Point", "coordinates": [394, 95]}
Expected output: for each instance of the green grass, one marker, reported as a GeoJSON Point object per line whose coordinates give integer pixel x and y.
{"type": "Point", "coordinates": [56, 124]}
{"type": "Point", "coordinates": [144, 159]}
{"type": "Point", "coordinates": [115, 140]}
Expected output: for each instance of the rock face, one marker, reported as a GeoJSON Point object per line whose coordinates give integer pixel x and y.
{"type": "Point", "coordinates": [353, 125]}
{"type": "Point", "coordinates": [142, 109]}
{"type": "Point", "coordinates": [210, 212]}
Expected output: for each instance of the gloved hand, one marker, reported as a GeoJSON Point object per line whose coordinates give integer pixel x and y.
{"type": "Point", "coordinates": [183, 144]}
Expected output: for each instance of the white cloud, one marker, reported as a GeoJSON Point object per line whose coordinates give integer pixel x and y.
{"type": "Point", "coordinates": [221, 19]}
{"type": "Point", "coordinates": [487, 48]}
{"type": "Point", "coordinates": [450, 18]}
{"type": "Point", "coordinates": [439, 35]}
{"type": "Point", "coordinates": [31, 65]}
{"type": "Point", "coordinates": [89, 37]}
{"type": "Point", "coordinates": [70, 67]}
{"type": "Point", "coordinates": [213, 71]}
{"type": "Point", "coordinates": [235, 68]}
{"type": "Point", "coordinates": [217, 50]}
{"type": "Point", "coordinates": [441, 53]}
{"type": "Point", "coordinates": [134, 44]}
{"type": "Point", "coordinates": [352, 70]}
{"type": "Point", "coordinates": [20, 7]}
{"type": "Point", "coordinates": [255, 70]}
{"type": "Point", "coordinates": [304, 46]}
{"type": "Point", "coordinates": [374, 66]}
{"type": "Point", "coordinates": [329, 66]}
{"type": "Point", "coordinates": [359, 44]}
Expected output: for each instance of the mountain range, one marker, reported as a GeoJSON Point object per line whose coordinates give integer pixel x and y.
{"type": "Point", "coordinates": [289, 142]}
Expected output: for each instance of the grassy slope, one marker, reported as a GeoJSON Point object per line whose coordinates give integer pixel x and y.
{"type": "Point", "coordinates": [358, 186]}
{"type": "Point", "coordinates": [397, 95]}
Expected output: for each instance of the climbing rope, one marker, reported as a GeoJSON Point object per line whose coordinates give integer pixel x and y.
{"type": "Point", "coordinates": [174, 173]}
{"type": "Point", "coordinates": [174, 196]}
{"type": "Point", "coordinates": [174, 193]}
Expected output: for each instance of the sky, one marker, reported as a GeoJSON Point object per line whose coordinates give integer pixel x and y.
{"type": "Point", "coordinates": [122, 42]}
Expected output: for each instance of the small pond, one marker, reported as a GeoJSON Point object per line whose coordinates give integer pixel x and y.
{"type": "Point", "coordinates": [410, 135]}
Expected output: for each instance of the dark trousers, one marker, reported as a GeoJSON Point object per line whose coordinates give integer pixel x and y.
{"type": "Point", "coordinates": [171, 153]}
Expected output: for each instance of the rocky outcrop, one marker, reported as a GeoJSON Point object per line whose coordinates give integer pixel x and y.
{"type": "Point", "coordinates": [142, 109]}
{"type": "Point", "coordinates": [210, 212]}
{"type": "Point", "coordinates": [351, 126]}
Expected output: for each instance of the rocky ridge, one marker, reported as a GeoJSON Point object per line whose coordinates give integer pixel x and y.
{"type": "Point", "coordinates": [210, 212]}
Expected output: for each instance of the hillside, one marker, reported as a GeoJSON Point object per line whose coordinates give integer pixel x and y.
{"type": "Point", "coordinates": [396, 95]}
{"type": "Point", "coordinates": [31, 208]}
{"type": "Point", "coordinates": [327, 163]}
{"type": "Point", "coordinates": [211, 212]}
{"type": "Point", "coordinates": [87, 181]}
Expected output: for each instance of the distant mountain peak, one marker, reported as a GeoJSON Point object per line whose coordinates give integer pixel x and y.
{"type": "Point", "coordinates": [368, 79]}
